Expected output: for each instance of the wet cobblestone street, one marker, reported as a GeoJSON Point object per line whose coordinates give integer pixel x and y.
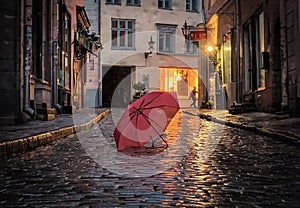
{"type": "Point", "coordinates": [206, 165]}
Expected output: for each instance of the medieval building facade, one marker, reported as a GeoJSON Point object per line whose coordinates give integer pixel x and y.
{"type": "Point", "coordinates": [38, 57]}
{"type": "Point", "coordinates": [143, 43]}
{"type": "Point", "coordinates": [257, 43]}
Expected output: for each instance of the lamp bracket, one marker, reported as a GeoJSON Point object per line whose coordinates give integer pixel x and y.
{"type": "Point", "coordinates": [147, 54]}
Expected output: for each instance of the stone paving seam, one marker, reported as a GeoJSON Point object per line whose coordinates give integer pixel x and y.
{"type": "Point", "coordinates": [29, 143]}
{"type": "Point", "coordinates": [252, 128]}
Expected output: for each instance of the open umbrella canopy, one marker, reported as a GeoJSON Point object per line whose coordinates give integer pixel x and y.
{"type": "Point", "coordinates": [146, 118]}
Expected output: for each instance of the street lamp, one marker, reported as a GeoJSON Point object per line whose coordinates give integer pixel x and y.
{"type": "Point", "coordinates": [210, 48]}
{"type": "Point", "coordinates": [213, 55]}
{"type": "Point", "coordinates": [151, 48]}
{"type": "Point", "coordinates": [186, 30]}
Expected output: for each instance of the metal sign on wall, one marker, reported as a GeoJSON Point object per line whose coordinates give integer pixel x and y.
{"type": "Point", "coordinates": [198, 35]}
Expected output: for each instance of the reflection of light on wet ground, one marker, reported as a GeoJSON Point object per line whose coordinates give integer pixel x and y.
{"type": "Point", "coordinates": [173, 128]}
{"type": "Point", "coordinates": [244, 170]}
{"type": "Point", "coordinates": [194, 172]}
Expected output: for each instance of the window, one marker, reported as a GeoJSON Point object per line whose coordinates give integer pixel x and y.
{"type": "Point", "coordinates": [117, 2]}
{"type": "Point", "coordinates": [122, 34]}
{"type": "Point", "coordinates": [209, 4]}
{"type": "Point", "coordinates": [226, 52]}
{"type": "Point", "coordinates": [192, 5]}
{"type": "Point", "coordinates": [165, 4]}
{"type": "Point", "coordinates": [37, 39]}
{"type": "Point", "coordinates": [166, 38]}
{"type": "Point", "coordinates": [191, 47]}
{"type": "Point", "coordinates": [253, 38]}
{"type": "Point", "coordinates": [259, 26]}
{"type": "Point", "coordinates": [91, 62]}
{"type": "Point", "coordinates": [64, 78]}
{"type": "Point", "coordinates": [133, 2]}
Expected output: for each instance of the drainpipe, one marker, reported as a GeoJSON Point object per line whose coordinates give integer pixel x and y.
{"type": "Point", "coordinates": [54, 68]}
{"type": "Point", "coordinates": [55, 58]}
{"type": "Point", "coordinates": [99, 89]}
{"type": "Point", "coordinates": [283, 51]}
{"type": "Point", "coordinates": [238, 64]}
{"type": "Point", "coordinates": [27, 57]}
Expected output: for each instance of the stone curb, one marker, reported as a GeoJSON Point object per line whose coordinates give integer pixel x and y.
{"type": "Point", "coordinates": [265, 132]}
{"type": "Point", "coordinates": [27, 144]}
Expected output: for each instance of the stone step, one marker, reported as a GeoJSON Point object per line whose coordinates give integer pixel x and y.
{"type": "Point", "coordinates": [45, 111]}
{"type": "Point", "coordinates": [45, 114]}
{"type": "Point", "coordinates": [242, 108]}
{"type": "Point", "coordinates": [45, 117]}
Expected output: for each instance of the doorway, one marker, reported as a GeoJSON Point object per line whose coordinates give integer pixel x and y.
{"type": "Point", "coordinates": [116, 86]}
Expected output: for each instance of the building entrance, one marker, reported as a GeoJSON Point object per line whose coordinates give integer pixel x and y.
{"type": "Point", "coordinates": [116, 86]}
{"type": "Point", "coordinates": [179, 80]}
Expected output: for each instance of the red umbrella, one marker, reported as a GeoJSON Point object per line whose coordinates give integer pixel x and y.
{"type": "Point", "coordinates": [145, 119]}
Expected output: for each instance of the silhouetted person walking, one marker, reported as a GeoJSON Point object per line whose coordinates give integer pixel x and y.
{"type": "Point", "coordinates": [193, 97]}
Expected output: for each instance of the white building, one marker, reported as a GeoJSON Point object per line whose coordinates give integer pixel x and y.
{"type": "Point", "coordinates": [126, 27]}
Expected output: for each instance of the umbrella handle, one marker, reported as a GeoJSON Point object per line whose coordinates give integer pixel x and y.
{"type": "Point", "coordinates": [160, 135]}
{"type": "Point", "coordinates": [164, 140]}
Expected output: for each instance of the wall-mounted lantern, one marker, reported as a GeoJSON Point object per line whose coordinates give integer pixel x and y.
{"type": "Point", "coordinates": [186, 30]}
{"type": "Point", "coordinates": [193, 33]}
{"type": "Point", "coordinates": [213, 55]}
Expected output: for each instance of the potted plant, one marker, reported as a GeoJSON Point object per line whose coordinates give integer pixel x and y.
{"type": "Point", "coordinates": [139, 90]}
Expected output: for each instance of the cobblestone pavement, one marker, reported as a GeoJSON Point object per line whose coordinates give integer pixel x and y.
{"type": "Point", "coordinates": [220, 166]}
{"type": "Point", "coordinates": [36, 127]}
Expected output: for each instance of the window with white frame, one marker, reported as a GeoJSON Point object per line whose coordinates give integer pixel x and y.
{"type": "Point", "coordinates": [133, 2]}
{"type": "Point", "coordinates": [122, 34]}
{"type": "Point", "coordinates": [192, 5]}
{"type": "Point", "coordinates": [166, 38]}
{"type": "Point", "coordinates": [191, 47]}
{"type": "Point", "coordinates": [165, 4]}
{"type": "Point", "coordinates": [117, 2]}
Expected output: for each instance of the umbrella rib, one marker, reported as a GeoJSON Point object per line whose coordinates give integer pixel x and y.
{"type": "Point", "coordinates": [150, 101]}
{"type": "Point", "coordinates": [137, 112]}
{"type": "Point", "coordinates": [146, 118]}
{"type": "Point", "coordinates": [136, 133]}
{"type": "Point", "coordinates": [159, 106]}
{"type": "Point", "coordinates": [131, 116]}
